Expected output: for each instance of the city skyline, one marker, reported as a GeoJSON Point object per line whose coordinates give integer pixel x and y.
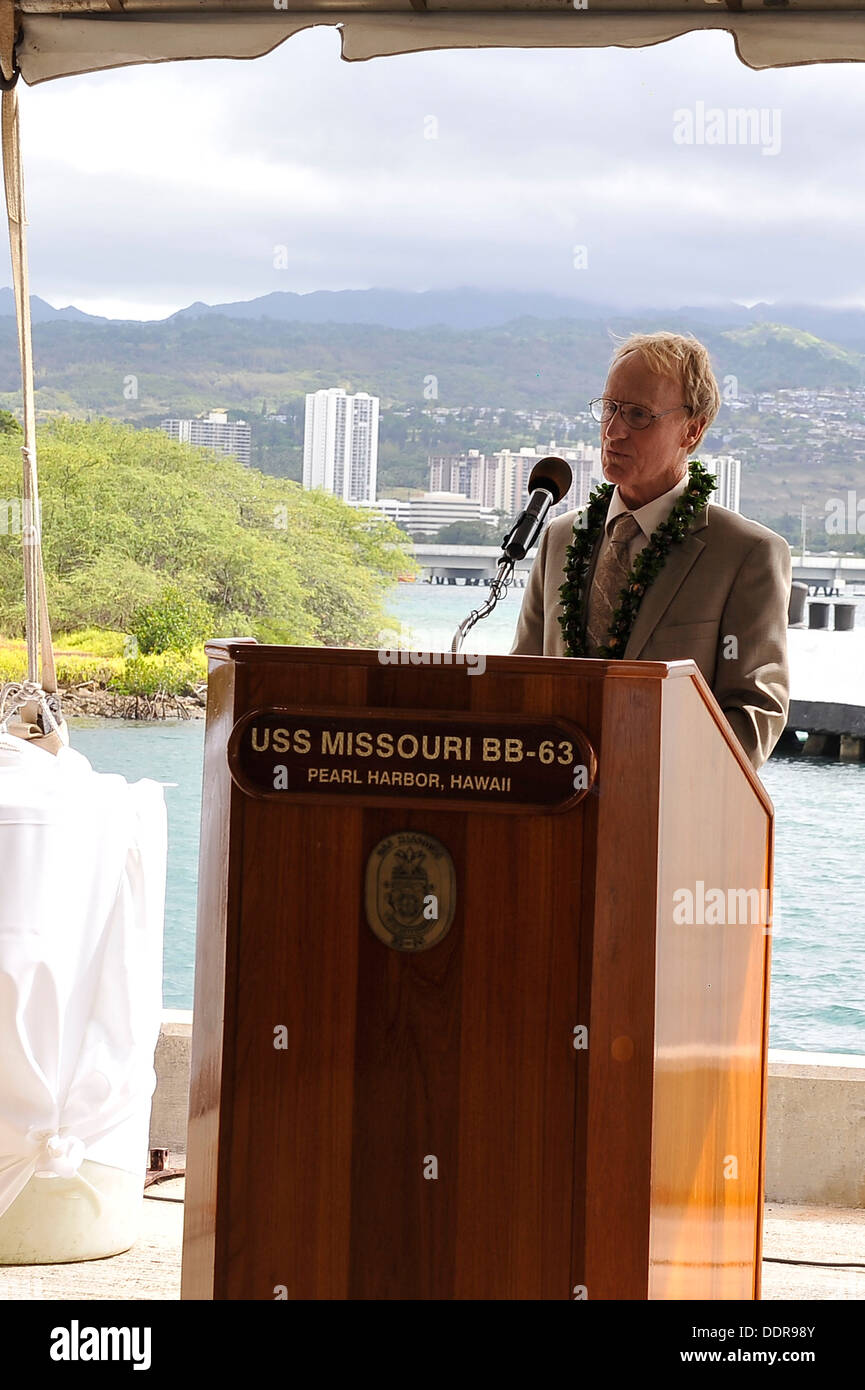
{"type": "Point", "coordinates": [499, 480]}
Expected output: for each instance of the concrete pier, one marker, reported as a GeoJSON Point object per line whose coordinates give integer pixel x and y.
{"type": "Point", "coordinates": [827, 706]}
{"type": "Point", "coordinates": [832, 731]}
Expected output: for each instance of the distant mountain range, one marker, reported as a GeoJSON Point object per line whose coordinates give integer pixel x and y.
{"type": "Point", "coordinates": [466, 309]}
{"type": "Point", "coordinates": [183, 365]}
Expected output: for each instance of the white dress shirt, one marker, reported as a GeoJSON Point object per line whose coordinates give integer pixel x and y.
{"type": "Point", "coordinates": [648, 517]}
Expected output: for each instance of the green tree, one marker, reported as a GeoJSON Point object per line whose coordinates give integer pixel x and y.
{"type": "Point", "coordinates": [128, 514]}
{"type": "Point", "coordinates": [468, 532]}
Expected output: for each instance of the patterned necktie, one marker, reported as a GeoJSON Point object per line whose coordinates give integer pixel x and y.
{"type": "Point", "coordinates": [611, 572]}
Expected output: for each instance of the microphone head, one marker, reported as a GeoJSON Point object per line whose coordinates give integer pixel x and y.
{"type": "Point", "coordinates": [551, 473]}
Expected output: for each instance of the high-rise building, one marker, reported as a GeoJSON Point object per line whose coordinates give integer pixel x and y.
{"type": "Point", "coordinates": [214, 431]}
{"type": "Point", "coordinates": [340, 443]}
{"type": "Point", "coordinates": [471, 474]}
{"type": "Point", "coordinates": [515, 471]}
{"type": "Point", "coordinates": [500, 480]}
{"type": "Point", "coordinates": [511, 476]}
{"type": "Point", "coordinates": [585, 461]}
{"type": "Point", "coordinates": [728, 471]}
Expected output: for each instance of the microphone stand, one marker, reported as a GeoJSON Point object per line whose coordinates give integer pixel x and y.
{"type": "Point", "coordinates": [546, 488]}
{"type": "Point", "coordinates": [499, 586]}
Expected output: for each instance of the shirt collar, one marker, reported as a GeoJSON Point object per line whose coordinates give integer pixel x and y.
{"type": "Point", "coordinates": [650, 516]}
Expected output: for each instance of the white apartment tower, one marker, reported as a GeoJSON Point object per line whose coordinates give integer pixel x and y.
{"type": "Point", "coordinates": [728, 471]}
{"type": "Point", "coordinates": [340, 443]}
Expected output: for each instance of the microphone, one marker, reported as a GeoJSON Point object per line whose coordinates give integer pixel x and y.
{"type": "Point", "coordinates": [549, 482]}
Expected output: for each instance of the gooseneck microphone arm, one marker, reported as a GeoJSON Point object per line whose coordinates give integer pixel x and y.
{"type": "Point", "coordinates": [499, 586]}
{"type": "Point", "coordinates": [549, 482]}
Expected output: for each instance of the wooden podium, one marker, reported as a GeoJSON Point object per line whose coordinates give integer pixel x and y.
{"type": "Point", "coordinates": [563, 1096]}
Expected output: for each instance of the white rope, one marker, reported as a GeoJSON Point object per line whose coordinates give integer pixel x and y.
{"type": "Point", "coordinates": [14, 695]}
{"type": "Point", "coordinates": [38, 625]}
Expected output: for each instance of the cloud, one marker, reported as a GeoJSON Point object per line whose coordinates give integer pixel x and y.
{"type": "Point", "coordinates": [154, 187]}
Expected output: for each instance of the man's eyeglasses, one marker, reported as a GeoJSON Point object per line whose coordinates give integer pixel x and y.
{"type": "Point", "coordinates": [636, 417]}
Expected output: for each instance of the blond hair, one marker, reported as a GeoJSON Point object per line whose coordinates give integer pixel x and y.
{"type": "Point", "coordinates": [687, 361]}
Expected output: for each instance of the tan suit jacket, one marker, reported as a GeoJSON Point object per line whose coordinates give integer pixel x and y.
{"type": "Point", "coordinates": [730, 578]}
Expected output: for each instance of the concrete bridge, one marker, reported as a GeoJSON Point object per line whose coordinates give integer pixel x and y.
{"type": "Point", "coordinates": [829, 572]}
{"type": "Point", "coordinates": [476, 564]}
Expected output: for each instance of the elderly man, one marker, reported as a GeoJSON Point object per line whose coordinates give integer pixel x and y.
{"type": "Point", "coordinates": [649, 571]}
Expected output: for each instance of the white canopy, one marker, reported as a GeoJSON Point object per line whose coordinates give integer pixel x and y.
{"type": "Point", "coordinates": [63, 37]}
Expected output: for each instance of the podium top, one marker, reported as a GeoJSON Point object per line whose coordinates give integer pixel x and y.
{"type": "Point", "coordinates": [246, 649]}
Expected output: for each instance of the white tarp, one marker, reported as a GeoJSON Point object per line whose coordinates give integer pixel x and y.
{"type": "Point", "coordinates": [60, 45]}
{"type": "Point", "coordinates": [82, 893]}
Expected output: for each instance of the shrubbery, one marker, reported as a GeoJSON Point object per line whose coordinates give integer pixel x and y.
{"type": "Point", "coordinates": [163, 673]}
{"type": "Point", "coordinates": [96, 641]}
{"type": "Point", "coordinates": [72, 669]}
{"type": "Point", "coordinates": [176, 622]}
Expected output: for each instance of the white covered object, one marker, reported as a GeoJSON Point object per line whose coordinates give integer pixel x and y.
{"type": "Point", "coordinates": [82, 894]}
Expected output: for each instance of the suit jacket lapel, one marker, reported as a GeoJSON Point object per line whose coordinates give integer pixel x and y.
{"type": "Point", "coordinates": [661, 593]}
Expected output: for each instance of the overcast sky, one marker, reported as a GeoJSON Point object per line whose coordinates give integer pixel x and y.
{"type": "Point", "coordinates": [151, 187]}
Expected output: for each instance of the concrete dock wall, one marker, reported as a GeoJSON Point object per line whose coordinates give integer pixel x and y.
{"type": "Point", "coordinates": [815, 1128]}
{"type": "Point", "coordinates": [815, 1145]}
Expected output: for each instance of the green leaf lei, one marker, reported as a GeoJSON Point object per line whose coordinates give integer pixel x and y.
{"type": "Point", "coordinates": [647, 565]}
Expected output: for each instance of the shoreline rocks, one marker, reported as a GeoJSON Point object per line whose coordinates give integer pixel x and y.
{"type": "Point", "coordinates": [95, 701]}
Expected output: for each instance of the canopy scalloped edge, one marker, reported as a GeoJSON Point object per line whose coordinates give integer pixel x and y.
{"type": "Point", "coordinates": [65, 45]}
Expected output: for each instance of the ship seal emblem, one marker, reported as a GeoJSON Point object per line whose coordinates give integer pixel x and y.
{"type": "Point", "coordinates": [410, 891]}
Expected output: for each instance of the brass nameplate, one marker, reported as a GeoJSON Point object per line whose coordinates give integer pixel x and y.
{"type": "Point", "coordinates": [453, 760]}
